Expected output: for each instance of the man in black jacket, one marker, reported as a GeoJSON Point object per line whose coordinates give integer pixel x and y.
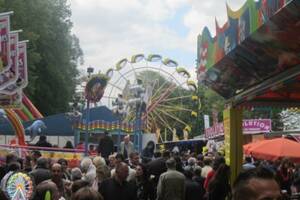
{"type": "Point", "coordinates": [117, 188]}
{"type": "Point", "coordinates": [41, 172]}
{"type": "Point", "coordinates": [106, 145]}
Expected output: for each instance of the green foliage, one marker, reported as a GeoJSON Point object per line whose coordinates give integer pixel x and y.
{"type": "Point", "coordinates": [53, 51]}
{"type": "Point", "coordinates": [211, 101]}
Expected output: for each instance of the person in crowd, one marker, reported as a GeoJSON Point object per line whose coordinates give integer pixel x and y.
{"type": "Point", "coordinates": [179, 164]}
{"type": "Point", "coordinates": [248, 163]}
{"type": "Point", "coordinates": [10, 157]}
{"type": "Point", "coordinates": [126, 147]}
{"type": "Point", "coordinates": [45, 187]}
{"type": "Point", "coordinates": [92, 151]}
{"type": "Point", "coordinates": [219, 187]}
{"type": "Point", "coordinates": [285, 175]}
{"type": "Point", "coordinates": [297, 172]}
{"type": "Point", "coordinates": [192, 188]}
{"type": "Point", "coordinates": [145, 188]}
{"type": "Point", "coordinates": [171, 184]}
{"type": "Point", "coordinates": [42, 142]}
{"type": "Point", "coordinates": [35, 155]}
{"type": "Point", "coordinates": [158, 166]}
{"type": "Point", "coordinates": [69, 145]}
{"type": "Point", "coordinates": [27, 164]}
{"type": "Point", "coordinates": [106, 145]}
{"type": "Point", "coordinates": [102, 170]}
{"type": "Point", "coordinates": [80, 145]}
{"type": "Point", "coordinates": [148, 152]}
{"type": "Point", "coordinates": [295, 188]}
{"type": "Point", "coordinates": [256, 184]}
{"type": "Point", "coordinates": [191, 164]}
{"type": "Point", "coordinates": [57, 178]}
{"type": "Point", "coordinates": [206, 168]}
{"type": "Point", "coordinates": [200, 159]}
{"type": "Point", "coordinates": [200, 180]}
{"type": "Point", "coordinates": [78, 184]}
{"type": "Point", "coordinates": [157, 154]}
{"type": "Point", "coordinates": [64, 164]}
{"type": "Point", "coordinates": [87, 193]}
{"type": "Point", "coordinates": [21, 162]}
{"type": "Point", "coordinates": [41, 172]}
{"type": "Point", "coordinates": [117, 188]}
{"type": "Point", "coordinates": [111, 161]}
{"type": "Point", "coordinates": [134, 160]}
{"type": "Point", "coordinates": [217, 162]}
{"type": "Point", "coordinates": [184, 157]}
{"type": "Point", "coordinates": [89, 172]}
{"type": "Point", "coordinates": [76, 174]}
{"type": "Point", "coordinates": [131, 172]}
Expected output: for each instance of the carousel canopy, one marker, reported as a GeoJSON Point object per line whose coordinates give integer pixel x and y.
{"type": "Point", "coordinates": [255, 57]}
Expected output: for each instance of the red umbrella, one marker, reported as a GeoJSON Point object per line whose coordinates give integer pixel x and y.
{"type": "Point", "coordinates": [247, 147]}
{"type": "Point", "coordinates": [276, 149]}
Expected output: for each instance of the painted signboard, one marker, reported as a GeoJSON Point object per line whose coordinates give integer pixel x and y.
{"type": "Point", "coordinates": [250, 126]}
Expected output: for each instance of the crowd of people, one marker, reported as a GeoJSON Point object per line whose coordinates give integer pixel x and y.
{"type": "Point", "coordinates": [150, 175]}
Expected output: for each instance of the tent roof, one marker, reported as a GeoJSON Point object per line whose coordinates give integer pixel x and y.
{"type": "Point", "coordinates": [255, 57]}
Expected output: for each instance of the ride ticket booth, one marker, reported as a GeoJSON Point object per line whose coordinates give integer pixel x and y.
{"type": "Point", "coordinates": [253, 61]}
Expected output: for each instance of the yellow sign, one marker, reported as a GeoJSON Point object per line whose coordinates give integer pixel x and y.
{"type": "Point", "coordinates": [233, 140]}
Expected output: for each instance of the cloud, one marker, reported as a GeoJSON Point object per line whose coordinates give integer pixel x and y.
{"type": "Point", "coordinates": [110, 30]}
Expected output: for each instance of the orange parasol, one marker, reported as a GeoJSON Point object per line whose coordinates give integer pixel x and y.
{"type": "Point", "coordinates": [276, 149]}
{"type": "Point", "coordinates": [247, 147]}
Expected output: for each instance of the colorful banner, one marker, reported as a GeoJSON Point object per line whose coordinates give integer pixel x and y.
{"type": "Point", "coordinates": [22, 79]}
{"type": "Point", "coordinates": [73, 156]}
{"type": "Point", "coordinates": [4, 42]}
{"type": "Point", "coordinates": [250, 126]}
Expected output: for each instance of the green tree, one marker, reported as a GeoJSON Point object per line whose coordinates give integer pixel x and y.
{"type": "Point", "coordinates": [53, 52]}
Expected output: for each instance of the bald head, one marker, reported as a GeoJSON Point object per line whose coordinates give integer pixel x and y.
{"type": "Point", "coordinates": [56, 171]}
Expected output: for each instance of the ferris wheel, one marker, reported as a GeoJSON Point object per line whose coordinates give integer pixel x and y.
{"type": "Point", "coordinates": [156, 87]}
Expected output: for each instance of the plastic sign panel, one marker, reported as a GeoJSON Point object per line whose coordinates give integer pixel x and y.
{"type": "Point", "coordinates": [10, 76]}
{"type": "Point", "coordinates": [4, 42]}
{"type": "Point", "coordinates": [22, 79]}
{"type": "Point", "coordinates": [250, 126]}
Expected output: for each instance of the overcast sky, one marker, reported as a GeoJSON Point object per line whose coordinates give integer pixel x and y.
{"type": "Point", "coordinates": [110, 30]}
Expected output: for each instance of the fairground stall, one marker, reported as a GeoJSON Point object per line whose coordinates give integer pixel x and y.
{"type": "Point", "coordinates": [252, 61]}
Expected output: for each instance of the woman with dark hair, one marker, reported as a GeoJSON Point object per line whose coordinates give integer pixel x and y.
{"type": "Point", "coordinates": [69, 145]}
{"type": "Point", "coordinates": [219, 187]}
{"type": "Point", "coordinates": [145, 189]}
{"type": "Point", "coordinates": [148, 152]}
{"type": "Point", "coordinates": [285, 175]}
{"type": "Point", "coordinates": [64, 164]}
